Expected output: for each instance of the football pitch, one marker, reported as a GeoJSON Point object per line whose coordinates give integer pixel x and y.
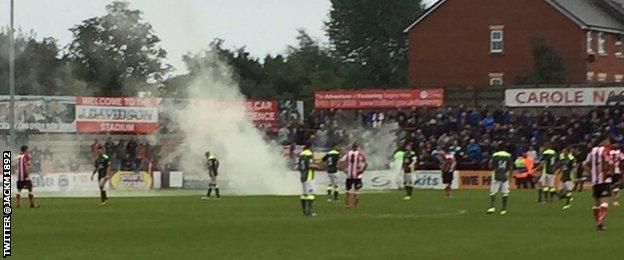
{"type": "Point", "coordinates": [268, 227]}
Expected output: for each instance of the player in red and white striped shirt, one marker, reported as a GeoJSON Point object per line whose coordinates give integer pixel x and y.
{"type": "Point", "coordinates": [596, 162]}
{"type": "Point", "coordinates": [616, 158]}
{"type": "Point", "coordinates": [355, 164]}
{"type": "Point", "coordinates": [23, 178]}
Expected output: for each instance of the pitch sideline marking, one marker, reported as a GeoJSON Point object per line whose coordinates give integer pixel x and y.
{"type": "Point", "coordinates": [448, 214]}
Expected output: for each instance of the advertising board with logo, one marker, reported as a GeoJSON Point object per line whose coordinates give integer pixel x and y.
{"type": "Point", "coordinates": [63, 183]}
{"type": "Point", "coordinates": [378, 98]}
{"type": "Point", "coordinates": [44, 114]}
{"type": "Point", "coordinates": [475, 179]}
{"type": "Point", "coordinates": [432, 180]}
{"type": "Point", "coordinates": [116, 114]}
{"type": "Point", "coordinates": [200, 182]}
{"type": "Point", "coordinates": [550, 97]}
{"type": "Point", "coordinates": [131, 181]}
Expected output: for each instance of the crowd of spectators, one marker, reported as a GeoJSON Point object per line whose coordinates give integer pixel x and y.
{"type": "Point", "coordinates": [129, 155]}
{"type": "Point", "coordinates": [471, 133]}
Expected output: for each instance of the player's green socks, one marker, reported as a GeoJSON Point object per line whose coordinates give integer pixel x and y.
{"type": "Point", "coordinates": [303, 206]}
{"type": "Point", "coordinates": [310, 207]}
{"type": "Point", "coordinates": [336, 193]}
{"type": "Point", "coordinates": [329, 191]}
{"type": "Point", "coordinates": [492, 200]}
{"type": "Point", "coordinates": [568, 198]}
{"type": "Point", "coordinates": [217, 193]}
{"type": "Point", "coordinates": [209, 191]}
{"type": "Point", "coordinates": [505, 198]}
{"type": "Point", "coordinates": [103, 196]}
{"type": "Point", "coordinates": [540, 195]}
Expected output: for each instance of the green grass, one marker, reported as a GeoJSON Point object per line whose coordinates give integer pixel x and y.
{"type": "Point", "coordinates": [385, 227]}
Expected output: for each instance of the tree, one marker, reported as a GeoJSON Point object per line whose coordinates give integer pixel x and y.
{"type": "Point", "coordinates": [548, 68]}
{"type": "Point", "coordinates": [304, 68]}
{"type": "Point", "coordinates": [117, 53]}
{"type": "Point", "coordinates": [368, 37]}
{"type": "Point", "coordinates": [38, 68]}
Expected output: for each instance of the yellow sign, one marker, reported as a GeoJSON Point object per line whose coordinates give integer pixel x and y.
{"type": "Point", "coordinates": [131, 181]}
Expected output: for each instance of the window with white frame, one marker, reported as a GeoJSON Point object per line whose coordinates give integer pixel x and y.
{"type": "Point", "coordinates": [496, 39]}
{"type": "Point", "coordinates": [602, 42]}
{"type": "Point", "coordinates": [590, 76]}
{"type": "Point", "coordinates": [619, 78]}
{"type": "Point", "coordinates": [590, 41]}
{"type": "Point", "coordinates": [602, 77]}
{"type": "Point", "coordinates": [496, 79]}
{"type": "Point", "coordinates": [619, 49]}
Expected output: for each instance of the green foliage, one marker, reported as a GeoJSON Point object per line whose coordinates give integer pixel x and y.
{"type": "Point", "coordinates": [368, 37]}
{"type": "Point", "coordinates": [295, 75]}
{"type": "Point", "coordinates": [117, 53]}
{"type": "Point", "coordinates": [38, 68]}
{"type": "Point", "coordinates": [548, 68]}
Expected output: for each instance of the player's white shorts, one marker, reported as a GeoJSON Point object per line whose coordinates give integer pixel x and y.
{"type": "Point", "coordinates": [333, 179]}
{"type": "Point", "coordinates": [408, 179]}
{"type": "Point", "coordinates": [499, 186]}
{"type": "Point", "coordinates": [308, 187]}
{"type": "Point", "coordinates": [567, 185]}
{"type": "Point", "coordinates": [547, 180]}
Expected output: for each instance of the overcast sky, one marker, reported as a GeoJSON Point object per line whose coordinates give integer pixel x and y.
{"type": "Point", "coordinates": [263, 26]}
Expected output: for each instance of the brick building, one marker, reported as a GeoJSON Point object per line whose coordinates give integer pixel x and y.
{"type": "Point", "coordinates": [488, 42]}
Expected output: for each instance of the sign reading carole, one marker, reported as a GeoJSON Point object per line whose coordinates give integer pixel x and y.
{"type": "Point", "coordinates": [378, 98]}
{"type": "Point", "coordinates": [116, 114]}
{"type": "Point", "coordinates": [543, 97]}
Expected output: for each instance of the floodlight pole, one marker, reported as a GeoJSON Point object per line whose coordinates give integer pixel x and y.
{"type": "Point", "coordinates": [12, 138]}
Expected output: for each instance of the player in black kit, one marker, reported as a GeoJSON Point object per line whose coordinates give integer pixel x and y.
{"type": "Point", "coordinates": [103, 170]}
{"type": "Point", "coordinates": [331, 161]}
{"type": "Point", "coordinates": [213, 170]}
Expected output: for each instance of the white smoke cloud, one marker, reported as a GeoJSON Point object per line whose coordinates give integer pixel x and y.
{"type": "Point", "coordinates": [215, 120]}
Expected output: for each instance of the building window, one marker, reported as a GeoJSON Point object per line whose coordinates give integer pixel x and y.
{"type": "Point", "coordinates": [602, 42]}
{"type": "Point", "coordinates": [496, 39]}
{"type": "Point", "coordinates": [496, 79]}
{"type": "Point", "coordinates": [619, 78]}
{"type": "Point", "coordinates": [619, 49]}
{"type": "Point", "coordinates": [590, 76]}
{"type": "Point", "coordinates": [602, 77]}
{"type": "Point", "coordinates": [590, 40]}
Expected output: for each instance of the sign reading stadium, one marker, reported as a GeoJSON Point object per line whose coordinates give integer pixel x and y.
{"type": "Point", "coordinates": [116, 114]}
{"type": "Point", "coordinates": [552, 97]}
{"type": "Point", "coordinates": [378, 98]}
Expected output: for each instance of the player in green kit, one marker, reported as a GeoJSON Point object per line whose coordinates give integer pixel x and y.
{"type": "Point", "coordinates": [331, 161]}
{"type": "Point", "coordinates": [398, 166]}
{"type": "Point", "coordinates": [502, 166]}
{"type": "Point", "coordinates": [568, 164]}
{"type": "Point", "coordinates": [547, 190]}
{"type": "Point", "coordinates": [410, 159]}
{"type": "Point", "coordinates": [307, 168]}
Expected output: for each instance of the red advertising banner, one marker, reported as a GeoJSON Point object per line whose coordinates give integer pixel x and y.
{"type": "Point", "coordinates": [116, 114]}
{"type": "Point", "coordinates": [378, 98]}
{"type": "Point", "coordinates": [263, 112]}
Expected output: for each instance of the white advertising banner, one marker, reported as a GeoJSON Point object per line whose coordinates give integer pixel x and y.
{"type": "Point", "coordinates": [63, 182]}
{"type": "Point", "coordinates": [389, 179]}
{"type": "Point", "coordinates": [552, 97]}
